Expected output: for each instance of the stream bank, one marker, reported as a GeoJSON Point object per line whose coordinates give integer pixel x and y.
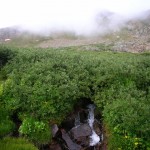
{"type": "Point", "coordinates": [81, 130]}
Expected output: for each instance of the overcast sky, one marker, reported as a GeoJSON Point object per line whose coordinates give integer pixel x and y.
{"type": "Point", "coordinates": [64, 14]}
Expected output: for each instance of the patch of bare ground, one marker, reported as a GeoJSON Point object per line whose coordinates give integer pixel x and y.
{"type": "Point", "coordinates": [134, 44]}
{"type": "Point", "coordinates": [65, 42]}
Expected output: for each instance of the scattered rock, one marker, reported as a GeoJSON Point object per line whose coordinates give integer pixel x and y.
{"type": "Point", "coordinates": [54, 129]}
{"type": "Point", "coordinates": [83, 141]}
{"type": "Point", "coordinates": [97, 128]}
{"type": "Point", "coordinates": [75, 133]}
{"type": "Point", "coordinates": [7, 40]}
{"type": "Point", "coordinates": [71, 145]}
{"type": "Point", "coordinates": [82, 130]}
{"type": "Point", "coordinates": [55, 146]}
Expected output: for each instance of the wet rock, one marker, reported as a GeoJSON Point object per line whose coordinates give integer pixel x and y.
{"type": "Point", "coordinates": [68, 124]}
{"type": "Point", "coordinates": [83, 141]}
{"type": "Point", "coordinates": [71, 145]}
{"type": "Point", "coordinates": [82, 130]}
{"type": "Point", "coordinates": [99, 147]}
{"type": "Point", "coordinates": [96, 127]}
{"type": "Point", "coordinates": [55, 146]}
{"type": "Point", "coordinates": [54, 129]}
{"type": "Point", "coordinates": [76, 131]}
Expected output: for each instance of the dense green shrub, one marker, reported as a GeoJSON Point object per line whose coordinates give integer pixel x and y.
{"type": "Point", "coordinates": [118, 142]}
{"type": "Point", "coordinates": [6, 54]}
{"type": "Point", "coordinates": [16, 144]}
{"type": "Point", "coordinates": [45, 84]}
{"type": "Point", "coordinates": [129, 120]}
{"type": "Point", "coordinates": [6, 125]}
{"type": "Point", "coordinates": [37, 131]}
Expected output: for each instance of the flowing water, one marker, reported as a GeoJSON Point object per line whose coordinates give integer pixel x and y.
{"type": "Point", "coordinates": [77, 120]}
{"type": "Point", "coordinates": [77, 126]}
{"type": "Point", "coordinates": [94, 138]}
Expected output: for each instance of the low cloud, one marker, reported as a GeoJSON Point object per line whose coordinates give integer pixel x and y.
{"type": "Point", "coordinates": [79, 16]}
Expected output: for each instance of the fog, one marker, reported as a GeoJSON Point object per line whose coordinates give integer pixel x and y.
{"type": "Point", "coordinates": [79, 16]}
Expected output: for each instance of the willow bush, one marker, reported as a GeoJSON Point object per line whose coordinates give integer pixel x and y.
{"type": "Point", "coordinates": [16, 144]}
{"type": "Point", "coordinates": [45, 84]}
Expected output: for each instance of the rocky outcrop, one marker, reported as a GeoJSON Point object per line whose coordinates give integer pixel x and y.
{"type": "Point", "coordinates": [71, 145]}
{"type": "Point", "coordinates": [54, 130]}
{"type": "Point", "coordinates": [82, 130]}
{"type": "Point", "coordinates": [75, 132]}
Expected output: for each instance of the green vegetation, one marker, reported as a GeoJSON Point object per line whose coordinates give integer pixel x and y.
{"type": "Point", "coordinates": [37, 131]}
{"type": "Point", "coordinates": [16, 144]}
{"type": "Point", "coordinates": [26, 39]}
{"type": "Point", "coordinates": [6, 125]}
{"type": "Point", "coordinates": [43, 85]}
{"type": "Point", "coordinates": [6, 54]}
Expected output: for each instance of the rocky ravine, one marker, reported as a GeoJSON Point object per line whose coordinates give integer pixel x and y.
{"type": "Point", "coordinates": [80, 131]}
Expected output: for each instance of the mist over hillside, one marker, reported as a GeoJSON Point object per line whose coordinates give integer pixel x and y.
{"type": "Point", "coordinates": [122, 33]}
{"type": "Point", "coordinates": [79, 16]}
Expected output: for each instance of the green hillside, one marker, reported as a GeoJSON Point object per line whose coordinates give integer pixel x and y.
{"type": "Point", "coordinates": [40, 87]}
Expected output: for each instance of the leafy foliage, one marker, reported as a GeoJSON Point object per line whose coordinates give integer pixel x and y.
{"type": "Point", "coordinates": [6, 54]}
{"type": "Point", "coordinates": [46, 84]}
{"type": "Point", "coordinates": [16, 144]}
{"type": "Point", "coordinates": [6, 125]}
{"type": "Point", "coordinates": [35, 130]}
